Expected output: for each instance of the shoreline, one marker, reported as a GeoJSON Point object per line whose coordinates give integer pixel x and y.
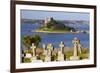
{"type": "Point", "coordinates": [55, 31]}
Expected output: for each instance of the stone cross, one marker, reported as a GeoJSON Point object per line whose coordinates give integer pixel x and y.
{"type": "Point", "coordinates": [75, 43]}
{"type": "Point", "coordinates": [61, 45]}
{"type": "Point", "coordinates": [49, 48]}
{"type": "Point", "coordinates": [33, 47]}
{"type": "Point", "coordinates": [47, 52]}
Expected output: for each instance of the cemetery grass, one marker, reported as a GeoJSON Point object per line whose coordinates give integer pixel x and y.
{"type": "Point", "coordinates": [84, 55]}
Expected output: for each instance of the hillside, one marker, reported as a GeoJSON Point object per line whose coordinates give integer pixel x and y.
{"type": "Point", "coordinates": [50, 24]}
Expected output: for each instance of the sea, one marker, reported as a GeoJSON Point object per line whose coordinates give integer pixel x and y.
{"type": "Point", "coordinates": [56, 38]}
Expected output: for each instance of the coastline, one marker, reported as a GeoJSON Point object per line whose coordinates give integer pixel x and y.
{"type": "Point", "coordinates": [55, 31]}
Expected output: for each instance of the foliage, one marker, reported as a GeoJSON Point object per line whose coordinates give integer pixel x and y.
{"type": "Point", "coordinates": [28, 51]}
{"type": "Point", "coordinates": [28, 40]}
{"type": "Point", "coordinates": [27, 60]}
{"type": "Point", "coordinates": [54, 57]}
{"type": "Point", "coordinates": [83, 56]}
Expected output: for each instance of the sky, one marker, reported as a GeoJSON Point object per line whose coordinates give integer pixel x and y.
{"type": "Point", "coordinates": [58, 15]}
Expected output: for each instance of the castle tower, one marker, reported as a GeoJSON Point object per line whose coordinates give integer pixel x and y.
{"type": "Point", "coordinates": [47, 20]}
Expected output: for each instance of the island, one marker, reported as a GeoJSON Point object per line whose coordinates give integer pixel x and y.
{"type": "Point", "coordinates": [51, 25]}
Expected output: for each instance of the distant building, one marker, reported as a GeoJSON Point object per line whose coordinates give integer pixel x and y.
{"type": "Point", "coordinates": [48, 20]}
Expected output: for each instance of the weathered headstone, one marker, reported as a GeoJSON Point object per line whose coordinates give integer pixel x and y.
{"type": "Point", "coordinates": [49, 49]}
{"type": "Point", "coordinates": [44, 46]}
{"type": "Point", "coordinates": [33, 47]}
{"type": "Point", "coordinates": [47, 56]}
{"type": "Point", "coordinates": [61, 45]}
{"type": "Point", "coordinates": [60, 56]}
{"type": "Point", "coordinates": [75, 49]}
{"type": "Point", "coordinates": [47, 52]}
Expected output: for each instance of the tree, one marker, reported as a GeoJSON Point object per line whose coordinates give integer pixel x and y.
{"type": "Point", "coordinates": [36, 40]}
{"type": "Point", "coordinates": [28, 40]}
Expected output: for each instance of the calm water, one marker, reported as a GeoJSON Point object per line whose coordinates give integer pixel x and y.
{"type": "Point", "coordinates": [56, 38]}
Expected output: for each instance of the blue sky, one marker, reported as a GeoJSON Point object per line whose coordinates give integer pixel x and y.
{"type": "Point", "coordinates": [34, 14]}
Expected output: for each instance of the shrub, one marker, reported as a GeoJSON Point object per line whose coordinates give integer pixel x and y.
{"type": "Point", "coordinates": [27, 60]}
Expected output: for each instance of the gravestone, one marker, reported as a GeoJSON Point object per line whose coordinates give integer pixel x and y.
{"type": "Point", "coordinates": [61, 45]}
{"type": "Point", "coordinates": [44, 47]}
{"type": "Point", "coordinates": [47, 56]}
{"type": "Point", "coordinates": [49, 49]}
{"type": "Point", "coordinates": [60, 56]}
{"type": "Point", "coordinates": [47, 52]}
{"type": "Point", "coordinates": [75, 56]}
{"type": "Point", "coordinates": [33, 47]}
